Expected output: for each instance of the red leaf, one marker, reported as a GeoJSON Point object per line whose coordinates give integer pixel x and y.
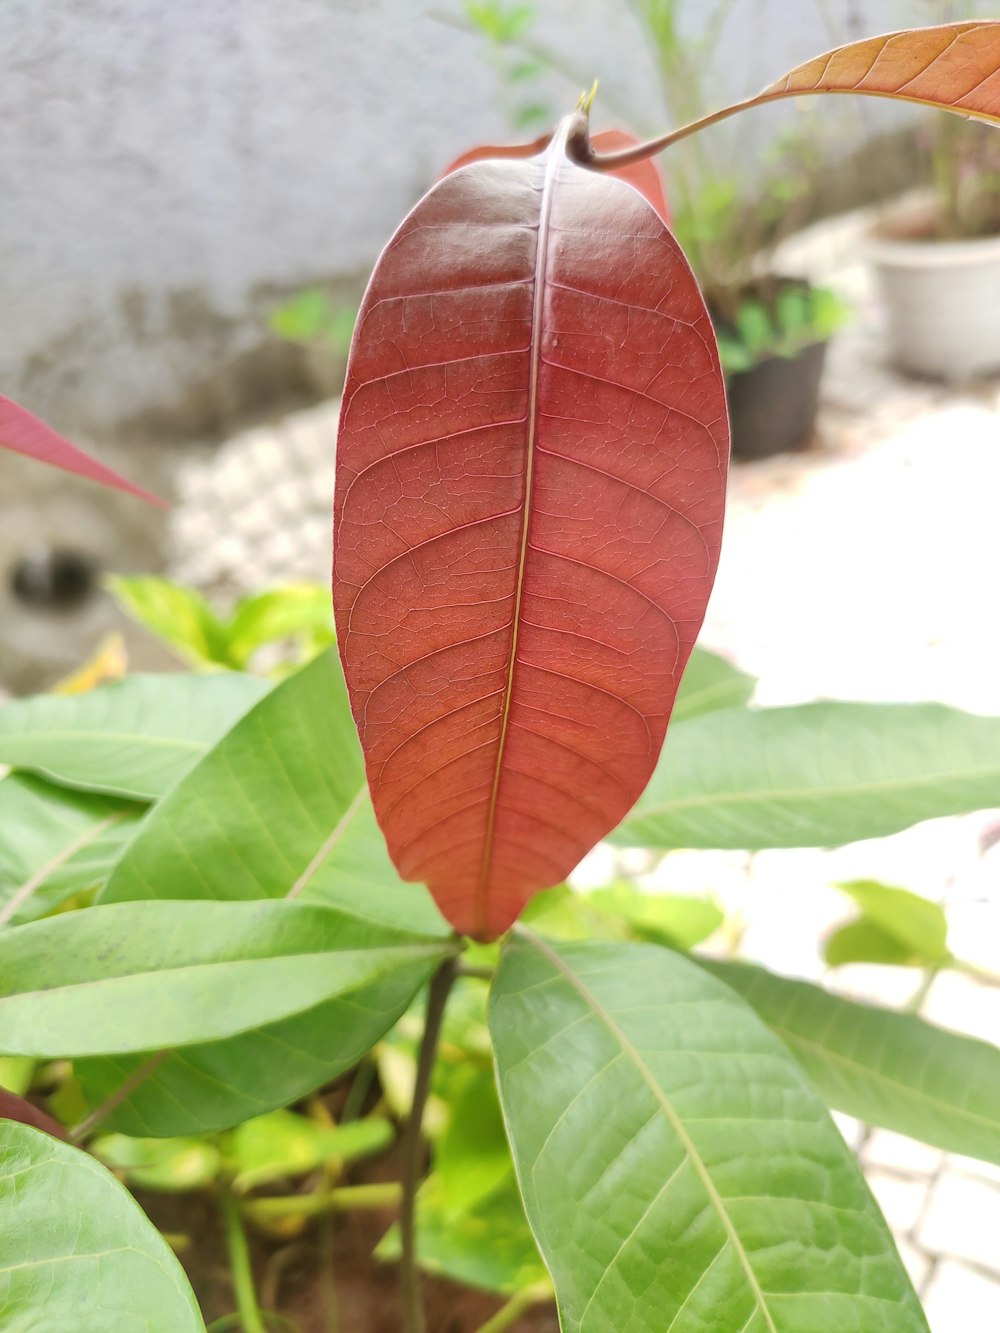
{"type": "Point", "coordinates": [530, 489]}
{"type": "Point", "coordinates": [24, 433]}
{"type": "Point", "coordinates": [643, 176]}
{"type": "Point", "coordinates": [954, 65]}
{"type": "Point", "coordinates": [16, 1108]}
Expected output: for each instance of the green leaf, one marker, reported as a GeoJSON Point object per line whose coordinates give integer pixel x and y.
{"type": "Point", "coordinates": [292, 763]}
{"type": "Point", "coordinates": [134, 738]}
{"type": "Point", "coordinates": [733, 355]}
{"type": "Point", "coordinates": [816, 775]}
{"type": "Point", "coordinates": [311, 317]}
{"type": "Point", "coordinates": [660, 918]}
{"type": "Point", "coordinates": [888, 1069]}
{"type": "Point", "coordinates": [165, 1165]}
{"type": "Point", "coordinates": [472, 1157]}
{"type": "Point", "coordinates": [302, 609]}
{"type": "Point", "coordinates": [180, 616]}
{"type": "Point", "coordinates": [77, 1251]}
{"type": "Point", "coordinates": [55, 843]}
{"type": "Point", "coordinates": [490, 1246]}
{"type": "Point", "coordinates": [185, 621]}
{"type": "Point", "coordinates": [15, 1073]}
{"type": "Point", "coordinates": [864, 941]}
{"type": "Point", "coordinates": [145, 976]}
{"type": "Point", "coordinates": [283, 1144]}
{"type": "Point", "coordinates": [215, 1085]}
{"type": "Point", "coordinates": [919, 925]}
{"type": "Point", "coordinates": [710, 682]}
{"type": "Point", "coordinates": [753, 325]}
{"type": "Point", "coordinates": [677, 1170]}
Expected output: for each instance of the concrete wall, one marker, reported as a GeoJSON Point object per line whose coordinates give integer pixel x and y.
{"type": "Point", "coordinates": [170, 168]}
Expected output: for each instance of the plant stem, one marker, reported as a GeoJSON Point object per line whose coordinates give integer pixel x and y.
{"type": "Point", "coordinates": [82, 1130]}
{"type": "Point", "coordinates": [481, 973]}
{"type": "Point", "coordinates": [361, 1083]}
{"type": "Point", "coordinates": [239, 1265]}
{"type": "Point", "coordinates": [413, 1311]}
{"type": "Point", "coordinates": [340, 1200]}
{"type": "Point", "coordinates": [520, 1302]}
{"type": "Point", "coordinates": [916, 1000]}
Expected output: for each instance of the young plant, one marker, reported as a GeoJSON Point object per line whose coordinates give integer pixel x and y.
{"type": "Point", "coordinates": [528, 515]}
{"type": "Point", "coordinates": [795, 318]}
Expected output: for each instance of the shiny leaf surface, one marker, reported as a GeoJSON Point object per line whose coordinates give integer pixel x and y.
{"type": "Point", "coordinates": [677, 1169]}
{"type": "Point", "coordinates": [138, 976]}
{"type": "Point", "coordinates": [134, 738]}
{"type": "Point", "coordinates": [530, 487]}
{"type": "Point", "coordinates": [77, 1251]}
{"type": "Point", "coordinates": [815, 775]}
{"type": "Point", "coordinates": [888, 1069]}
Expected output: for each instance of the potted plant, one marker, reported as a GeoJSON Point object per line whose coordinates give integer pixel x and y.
{"type": "Point", "coordinates": [773, 351]}
{"type": "Point", "coordinates": [773, 329]}
{"type": "Point", "coordinates": [936, 255]}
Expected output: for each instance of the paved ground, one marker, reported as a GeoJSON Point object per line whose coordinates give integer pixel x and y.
{"type": "Point", "coordinates": [864, 568]}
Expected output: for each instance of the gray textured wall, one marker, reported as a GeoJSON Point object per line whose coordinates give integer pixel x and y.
{"type": "Point", "coordinates": [169, 169]}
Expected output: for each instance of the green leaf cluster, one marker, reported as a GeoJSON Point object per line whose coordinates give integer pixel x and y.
{"type": "Point", "coordinates": [201, 916]}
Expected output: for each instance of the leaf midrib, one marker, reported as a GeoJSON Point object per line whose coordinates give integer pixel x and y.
{"type": "Point", "coordinates": [186, 970]}
{"type": "Point", "coordinates": [552, 164]}
{"type": "Point", "coordinates": [665, 1105]}
{"type": "Point", "coordinates": [793, 1038]}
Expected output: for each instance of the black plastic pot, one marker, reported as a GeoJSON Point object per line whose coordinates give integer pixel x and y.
{"type": "Point", "coordinates": [773, 405]}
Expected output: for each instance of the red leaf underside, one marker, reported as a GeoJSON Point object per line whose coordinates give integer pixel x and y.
{"type": "Point", "coordinates": [643, 175]}
{"type": "Point", "coordinates": [530, 490]}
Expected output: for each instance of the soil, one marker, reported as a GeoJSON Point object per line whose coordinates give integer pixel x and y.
{"type": "Point", "coordinates": [324, 1277]}
{"type": "Point", "coordinates": [325, 1268]}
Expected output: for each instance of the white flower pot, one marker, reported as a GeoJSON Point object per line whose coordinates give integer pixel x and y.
{"type": "Point", "coordinates": [943, 304]}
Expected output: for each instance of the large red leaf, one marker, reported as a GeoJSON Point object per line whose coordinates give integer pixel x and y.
{"type": "Point", "coordinates": [643, 175]}
{"type": "Point", "coordinates": [530, 488]}
{"type": "Point", "coordinates": [24, 433]}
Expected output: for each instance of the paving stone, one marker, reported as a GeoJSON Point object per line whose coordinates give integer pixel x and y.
{"type": "Point", "coordinates": [972, 1166]}
{"type": "Point", "coordinates": [956, 1001]}
{"type": "Point", "coordinates": [961, 1301]}
{"type": "Point", "coordinates": [897, 1153]}
{"type": "Point", "coordinates": [963, 1221]}
{"type": "Point", "coordinates": [901, 1200]}
{"type": "Point", "coordinates": [852, 1131]}
{"type": "Point", "coordinates": [915, 1260]}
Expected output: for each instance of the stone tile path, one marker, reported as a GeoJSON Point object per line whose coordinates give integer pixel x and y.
{"type": "Point", "coordinates": [864, 568]}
